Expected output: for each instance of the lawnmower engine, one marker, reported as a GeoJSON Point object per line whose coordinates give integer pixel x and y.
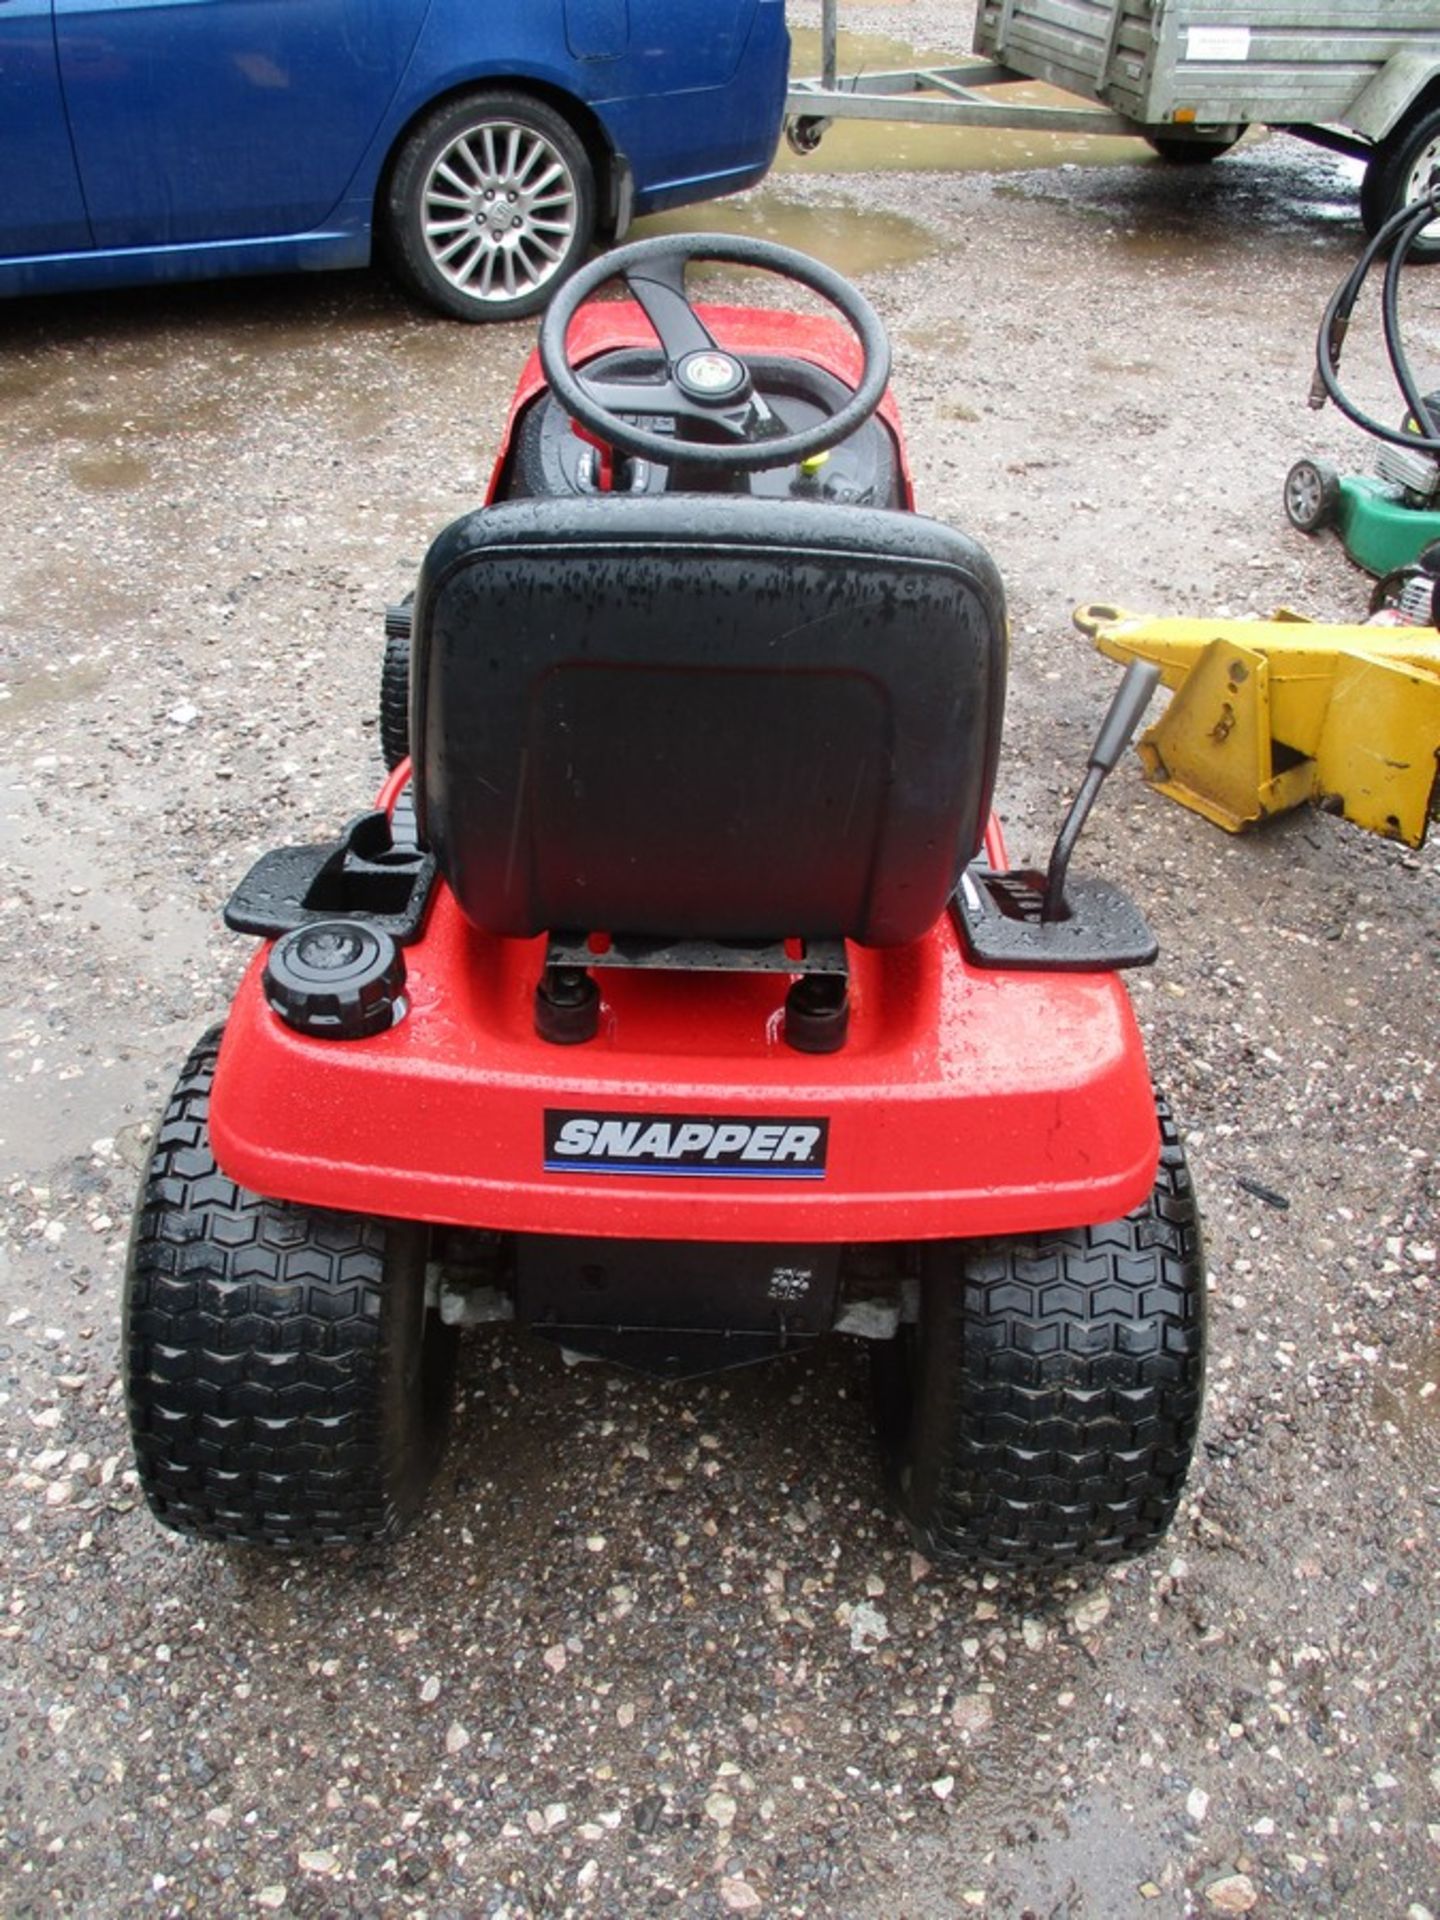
{"type": "Point", "coordinates": [676, 999]}
{"type": "Point", "coordinates": [1416, 474]}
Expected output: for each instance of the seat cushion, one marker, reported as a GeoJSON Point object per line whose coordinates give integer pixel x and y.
{"type": "Point", "coordinates": [705, 716]}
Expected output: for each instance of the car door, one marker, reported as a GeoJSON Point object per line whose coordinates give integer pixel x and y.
{"type": "Point", "coordinates": [41, 208]}
{"type": "Point", "coordinates": [689, 43]}
{"type": "Point", "coordinates": [203, 120]}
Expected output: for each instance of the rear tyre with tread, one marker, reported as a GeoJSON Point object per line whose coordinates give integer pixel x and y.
{"type": "Point", "coordinates": [1043, 1412]}
{"type": "Point", "coordinates": [287, 1384]}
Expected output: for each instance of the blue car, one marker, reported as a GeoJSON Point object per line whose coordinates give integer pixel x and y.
{"type": "Point", "coordinates": [484, 145]}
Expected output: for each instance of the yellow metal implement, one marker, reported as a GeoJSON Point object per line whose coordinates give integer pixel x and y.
{"type": "Point", "coordinates": [1266, 714]}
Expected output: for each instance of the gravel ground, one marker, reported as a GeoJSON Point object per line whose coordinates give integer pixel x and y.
{"type": "Point", "coordinates": [662, 1648]}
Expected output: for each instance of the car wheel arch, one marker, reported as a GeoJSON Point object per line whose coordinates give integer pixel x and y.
{"type": "Point", "coordinates": [607, 164]}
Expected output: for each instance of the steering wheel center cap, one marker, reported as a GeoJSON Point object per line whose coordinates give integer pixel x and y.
{"type": "Point", "coordinates": [710, 375]}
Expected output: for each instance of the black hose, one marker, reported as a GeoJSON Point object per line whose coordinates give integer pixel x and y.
{"type": "Point", "coordinates": [1399, 234]}
{"type": "Point", "coordinates": [1419, 412]}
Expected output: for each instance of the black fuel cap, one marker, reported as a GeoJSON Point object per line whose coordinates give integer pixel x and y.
{"type": "Point", "coordinates": [336, 980]}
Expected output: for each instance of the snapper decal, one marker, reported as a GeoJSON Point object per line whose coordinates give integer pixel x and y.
{"type": "Point", "coordinates": [708, 1145]}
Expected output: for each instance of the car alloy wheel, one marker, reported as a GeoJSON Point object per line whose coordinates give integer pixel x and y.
{"type": "Point", "coordinates": [500, 211]}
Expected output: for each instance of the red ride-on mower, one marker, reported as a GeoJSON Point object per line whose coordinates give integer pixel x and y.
{"type": "Point", "coordinates": [677, 999]}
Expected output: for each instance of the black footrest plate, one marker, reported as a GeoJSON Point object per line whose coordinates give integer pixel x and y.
{"type": "Point", "coordinates": [998, 915]}
{"type": "Point", "coordinates": [382, 878]}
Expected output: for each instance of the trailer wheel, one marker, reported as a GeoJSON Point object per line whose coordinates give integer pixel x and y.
{"type": "Point", "coordinates": [1403, 168]}
{"type": "Point", "coordinates": [1192, 149]}
{"type": "Point", "coordinates": [1042, 1413]}
{"type": "Point", "coordinates": [287, 1384]}
{"type": "Point", "coordinates": [1312, 495]}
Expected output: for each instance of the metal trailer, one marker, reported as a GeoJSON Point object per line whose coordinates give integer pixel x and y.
{"type": "Point", "coordinates": [1359, 76]}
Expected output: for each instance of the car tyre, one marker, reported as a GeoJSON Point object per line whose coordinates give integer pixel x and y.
{"type": "Point", "coordinates": [1043, 1411]}
{"type": "Point", "coordinates": [490, 205]}
{"type": "Point", "coordinates": [287, 1384]}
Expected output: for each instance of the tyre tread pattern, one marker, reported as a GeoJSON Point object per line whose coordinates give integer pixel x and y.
{"type": "Point", "coordinates": [254, 1347]}
{"type": "Point", "coordinates": [1058, 1424]}
{"type": "Point", "coordinates": [395, 701]}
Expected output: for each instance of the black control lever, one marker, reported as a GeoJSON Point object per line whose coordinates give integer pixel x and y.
{"type": "Point", "coordinates": [1132, 697]}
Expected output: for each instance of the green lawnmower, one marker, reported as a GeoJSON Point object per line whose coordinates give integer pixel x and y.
{"type": "Point", "coordinates": [1387, 518]}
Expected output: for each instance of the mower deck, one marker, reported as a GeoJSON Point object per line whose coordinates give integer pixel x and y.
{"type": "Point", "coordinates": [1380, 530]}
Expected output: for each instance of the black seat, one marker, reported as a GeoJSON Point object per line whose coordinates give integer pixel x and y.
{"type": "Point", "coordinates": [705, 716]}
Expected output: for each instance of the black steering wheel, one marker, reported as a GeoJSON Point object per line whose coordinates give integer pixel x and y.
{"type": "Point", "coordinates": [720, 419]}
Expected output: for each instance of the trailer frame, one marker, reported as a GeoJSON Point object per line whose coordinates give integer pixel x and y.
{"type": "Point", "coordinates": [811, 104]}
{"type": "Point", "coordinates": [1389, 119]}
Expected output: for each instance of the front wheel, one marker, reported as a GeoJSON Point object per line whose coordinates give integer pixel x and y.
{"type": "Point", "coordinates": [1403, 169]}
{"type": "Point", "coordinates": [491, 204]}
{"type": "Point", "coordinates": [395, 684]}
{"type": "Point", "coordinates": [287, 1383]}
{"type": "Point", "coordinates": [1042, 1412]}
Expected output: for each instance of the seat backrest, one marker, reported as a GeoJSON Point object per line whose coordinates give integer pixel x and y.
{"type": "Point", "coordinates": [705, 716]}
